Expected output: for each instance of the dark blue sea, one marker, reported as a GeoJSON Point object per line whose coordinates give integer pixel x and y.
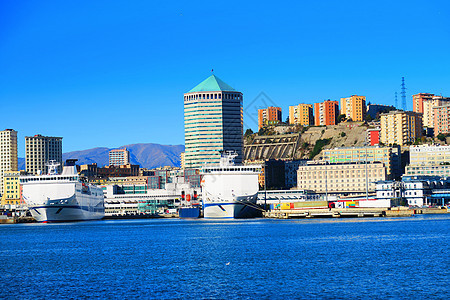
{"type": "Point", "coordinates": [400, 258]}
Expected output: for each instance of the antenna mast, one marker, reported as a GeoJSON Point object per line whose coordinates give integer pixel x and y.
{"type": "Point", "coordinates": [403, 94]}
{"type": "Point", "coordinates": [396, 101]}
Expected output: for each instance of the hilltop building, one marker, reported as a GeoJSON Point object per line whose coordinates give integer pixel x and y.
{"type": "Point", "coordinates": [428, 109]}
{"type": "Point", "coordinates": [400, 127]}
{"type": "Point", "coordinates": [326, 113]}
{"type": "Point", "coordinates": [213, 122]}
{"type": "Point", "coordinates": [441, 119]}
{"type": "Point", "coordinates": [354, 107]}
{"type": "Point", "coordinates": [8, 153]}
{"type": "Point", "coordinates": [119, 157]}
{"type": "Point", "coordinates": [301, 114]}
{"type": "Point", "coordinates": [418, 101]}
{"type": "Point", "coordinates": [40, 150]}
{"type": "Point", "coordinates": [269, 116]}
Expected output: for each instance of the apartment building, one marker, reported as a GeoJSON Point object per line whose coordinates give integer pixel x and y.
{"type": "Point", "coordinates": [119, 157]}
{"type": "Point", "coordinates": [354, 107]}
{"type": "Point", "coordinates": [269, 116]}
{"type": "Point", "coordinates": [40, 150]}
{"type": "Point", "coordinates": [8, 153]}
{"type": "Point", "coordinates": [326, 113]}
{"type": "Point", "coordinates": [301, 114]}
{"type": "Point", "coordinates": [441, 119]}
{"type": "Point", "coordinates": [400, 127]}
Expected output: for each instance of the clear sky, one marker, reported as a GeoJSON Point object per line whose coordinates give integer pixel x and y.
{"type": "Point", "coordinates": [110, 73]}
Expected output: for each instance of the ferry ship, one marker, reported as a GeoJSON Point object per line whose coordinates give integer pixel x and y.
{"type": "Point", "coordinates": [62, 197]}
{"type": "Point", "coordinates": [229, 190]}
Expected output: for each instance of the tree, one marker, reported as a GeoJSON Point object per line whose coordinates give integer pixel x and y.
{"type": "Point", "coordinates": [441, 137]}
{"type": "Point", "coordinates": [341, 118]}
{"type": "Point", "coordinates": [287, 120]}
{"type": "Point", "coordinates": [248, 132]}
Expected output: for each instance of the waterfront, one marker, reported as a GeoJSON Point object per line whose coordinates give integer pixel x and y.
{"type": "Point", "coordinates": [260, 258]}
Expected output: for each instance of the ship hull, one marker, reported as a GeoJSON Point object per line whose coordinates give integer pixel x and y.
{"type": "Point", "coordinates": [223, 210]}
{"type": "Point", "coordinates": [64, 202]}
{"type": "Point", "coordinates": [49, 214]}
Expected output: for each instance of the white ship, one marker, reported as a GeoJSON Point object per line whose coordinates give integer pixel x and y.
{"type": "Point", "coordinates": [62, 197]}
{"type": "Point", "coordinates": [229, 190]}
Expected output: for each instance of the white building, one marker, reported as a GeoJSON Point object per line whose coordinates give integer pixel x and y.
{"type": "Point", "coordinates": [423, 155]}
{"type": "Point", "coordinates": [416, 190]}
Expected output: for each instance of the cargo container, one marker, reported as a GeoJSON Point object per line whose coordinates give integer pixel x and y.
{"type": "Point", "coordinates": [311, 204]}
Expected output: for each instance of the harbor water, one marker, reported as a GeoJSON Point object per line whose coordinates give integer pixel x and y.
{"type": "Point", "coordinates": [399, 258]}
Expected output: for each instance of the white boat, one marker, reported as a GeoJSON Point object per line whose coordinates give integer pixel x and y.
{"type": "Point", "coordinates": [229, 190]}
{"type": "Point", "coordinates": [62, 197]}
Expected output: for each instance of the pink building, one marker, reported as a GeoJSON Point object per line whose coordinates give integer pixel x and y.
{"type": "Point", "coordinates": [441, 119]}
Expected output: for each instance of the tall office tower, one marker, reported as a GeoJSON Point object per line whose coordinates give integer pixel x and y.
{"type": "Point", "coordinates": [326, 113]}
{"type": "Point", "coordinates": [400, 127]}
{"type": "Point", "coordinates": [418, 101]}
{"type": "Point", "coordinates": [301, 114]}
{"type": "Point", "coordinates": [8, 153]}
{"type": "Point", "coordinates": [119, 157]}
{"type": "Point", "coordinates": [269, 116]}
{"type": "Point", "coordinates": [213, 122]}
{"type": "Point", "coordinates": [40, 150]}
{"type": "Point", "coordinates": [354, 107]}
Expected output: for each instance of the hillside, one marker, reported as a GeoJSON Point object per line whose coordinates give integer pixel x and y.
{"type": "Point", "coordinates": [286, 145]}
{"type": "Point", "coordinates": [146, 155]}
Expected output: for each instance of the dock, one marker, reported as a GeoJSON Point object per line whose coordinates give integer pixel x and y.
{"type": "Point", "coordinates": [340, 213]}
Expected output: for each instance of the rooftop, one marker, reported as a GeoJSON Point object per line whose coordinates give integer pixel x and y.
{"type": "Point", "coordinates": [212, 84]}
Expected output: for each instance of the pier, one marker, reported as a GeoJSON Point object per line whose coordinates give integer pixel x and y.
{"type": "Point", "coordinates": [341, 213]}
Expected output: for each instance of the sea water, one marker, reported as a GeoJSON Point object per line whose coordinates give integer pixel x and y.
{"type": "Point", "coordinates": [214, 259]}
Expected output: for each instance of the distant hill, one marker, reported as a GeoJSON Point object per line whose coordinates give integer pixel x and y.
{"type": "Point", "coordinates": [146, 155]}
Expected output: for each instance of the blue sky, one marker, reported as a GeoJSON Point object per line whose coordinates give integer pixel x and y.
{"type": "Point", "coordinates": [110, 73]}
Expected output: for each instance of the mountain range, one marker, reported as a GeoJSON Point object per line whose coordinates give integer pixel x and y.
{"type": "Point", "coordinates": [146, 155]}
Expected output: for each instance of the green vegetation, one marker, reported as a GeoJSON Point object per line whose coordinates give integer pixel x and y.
{"type": "Point", "coordinates": [305, 145]}
{"type": "Point", "coordinates": [248, 132]}
{"type": "Point", "coordinates": [341, 118]}
{"type": "Point", "coordinates": [343, 134]}
{"type": "Point", "coordinates": [318, 147]}
{"type": "Point", "coordinates": [441, 137]}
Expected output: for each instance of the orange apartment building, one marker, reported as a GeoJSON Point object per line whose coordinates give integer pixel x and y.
{"type": "Point", "coordinates": [418, 101]}
{"type": "Point", "coordinates": [301, 114]}
{"type": "Point", "coordinates": [354, 107]}
{"type": "Point", "coordinates": [326, 113]}
{"type": "Point", "coordinates": [269, 116]}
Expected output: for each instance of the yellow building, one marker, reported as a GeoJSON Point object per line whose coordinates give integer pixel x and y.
{"type": "Point", "coordinates": [354, 108]}
{"type": "Point", "coordinates": [400, 127]}
{"type": "Point", "coordinates": [301, 114]}
{"type": "Point", "coordinates": [8, 153]}
{"type": "Point", "coordinates": [12, 193]}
